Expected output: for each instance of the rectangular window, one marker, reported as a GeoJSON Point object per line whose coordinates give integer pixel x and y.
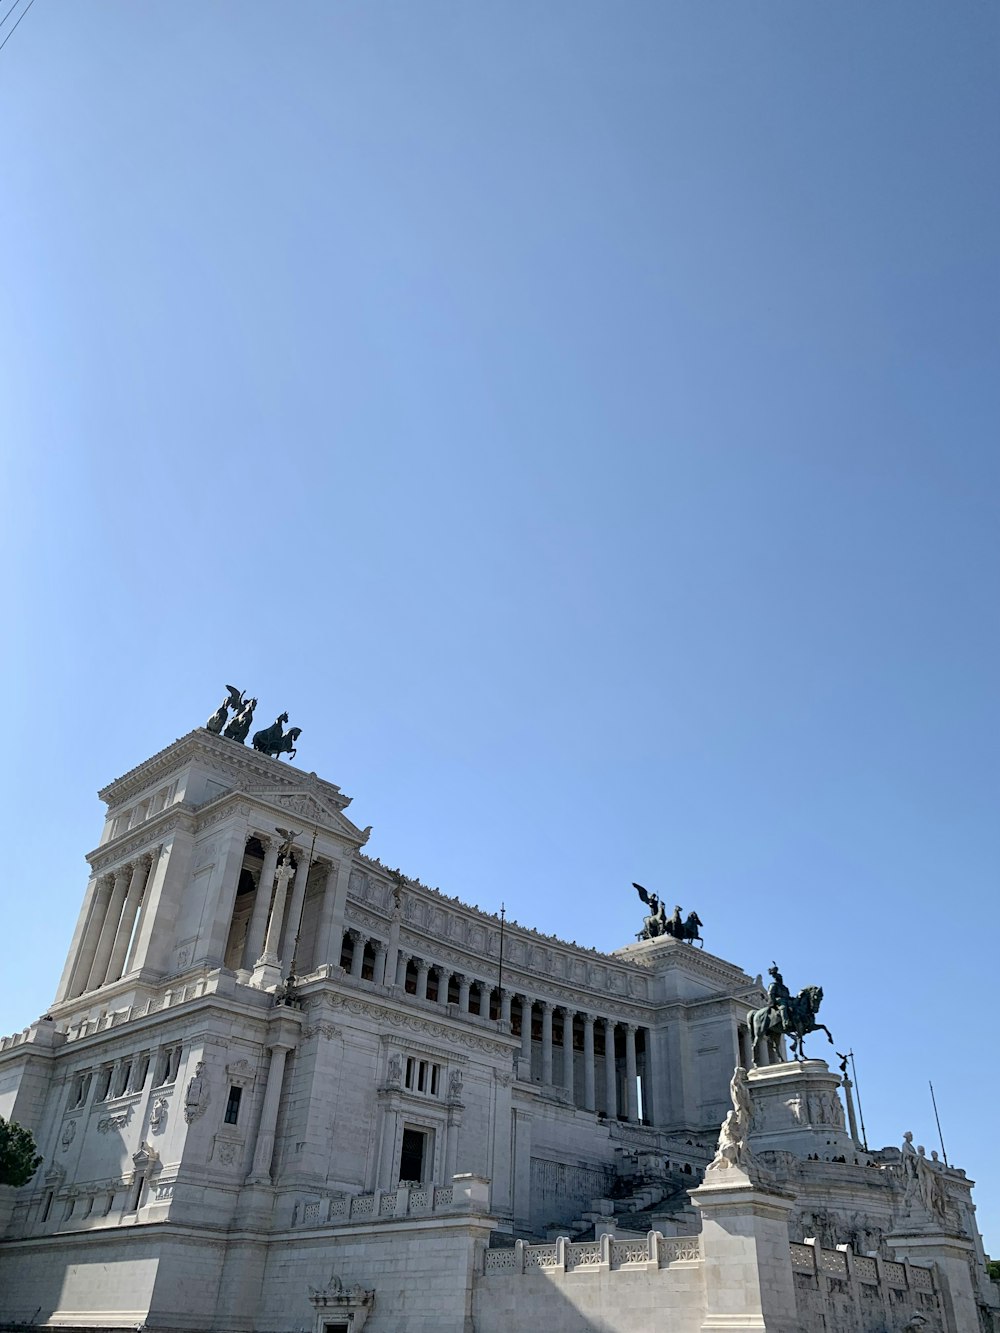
{"type": "Point", "coordinates": [81, 1086]}
{"type": "Point", "coordinates": [124, 1073]}
{"type": "Point", "coordinates": [136, 1194]}
{"type": "Point", "coordinates": [233, 1105]}
{"type": "Point", "coordinates": [48, 1205]}
{"type": "Point", "coordinates": [422, 1076]}
{"type": "Point", "coordinates": [414, 1159]}
{"type": "Point", "coordinates": [104, 1084]}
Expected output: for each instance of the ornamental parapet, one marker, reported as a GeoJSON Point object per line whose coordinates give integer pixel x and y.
{"type": "Point", "coordinates": [603, 1255]}
{"type": "Point", "coordinates": [466, 1194]}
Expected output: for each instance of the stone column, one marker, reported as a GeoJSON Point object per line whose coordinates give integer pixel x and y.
{"type": "Point", "coordinates": [547, 1008]}
{"type": "Point", "coordinates": [610, 1070]}
{"type": "Point", "coordinates": [110, 927]}
{"type": "Point", "coordinates": [147, 892]}
{"type": "Point", "coordinates": [521, 1155]}
{"type": "Point", "coordinates": [100, 897]}
{"type": "Point", "coordinates": [423, 968]}
{"type": "Point", "coordinates": [268, 970]}
{"type": "Point", "coordinates": [392, 950]}
{"type": "Point", "coordinates": [260, 1173]}
{"type": "Point", "coordinates": [288, 950]}
{"type": "Point", "coordinates": [387, 1149]}
{"type": "Point", "coordinates": [358, 952]}
{"type": "Point", "coordinates": [505, 999]}
{"type": "Point", "coordinates": [647, 1082]}
{"type": "Point", "coordinates": [402, 962]}
{"type": "Point", "coordinates": [464, 986]}
{"type": "Point", "coordinates": [123, 936]}
{"type": "Point", "coordinates": [589, 1093]}
{"type": "Point", "coordinates": [379, 972]}
{"type": "Point", "coordinates": [569, 1081]}
{"type": "Point", "coordinates": [631, 1073]}
{"type": "Point", "coordinates": [331, 917]}
{"type": "Point", "coordinates": [526, 1008]}
{"type": "Point", "coordinates": [451, 1141]}
{"type": "Point", "coordinates": [262, 901]}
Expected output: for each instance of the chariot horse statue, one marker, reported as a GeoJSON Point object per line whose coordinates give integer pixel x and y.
{"type": "Point", "coordinates": [657, 923]}
{"type": "Point", "coordinates": [273, 741]}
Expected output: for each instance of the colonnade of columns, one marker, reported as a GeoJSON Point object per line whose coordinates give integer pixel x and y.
{"type": "Point", "coordinates": [620, 1092]}
{"type": "Point", "coordinates": [105, 950]}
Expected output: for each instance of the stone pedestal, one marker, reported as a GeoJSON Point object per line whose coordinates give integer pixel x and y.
{"type": "Point", "coordinates": [797, 1109]}
{"type": "Point", "coordinates": [954, 1256]}
{"type": "Point", "coordinates": [744, 1237]}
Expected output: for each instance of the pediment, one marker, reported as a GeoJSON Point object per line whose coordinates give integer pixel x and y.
{"type": "Point", "coordinates": [307, 806]}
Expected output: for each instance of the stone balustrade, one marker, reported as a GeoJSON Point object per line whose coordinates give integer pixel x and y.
{"type": "Point", "coordinates": [466, 1194]}
{"type": "Point", "coordinates": [604, 1255]}
{"type": "Point", "coordinates": [873, 1287]}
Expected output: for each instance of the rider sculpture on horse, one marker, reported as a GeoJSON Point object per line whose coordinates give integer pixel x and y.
{"type": "Point", "coordinates": [786, 1015]}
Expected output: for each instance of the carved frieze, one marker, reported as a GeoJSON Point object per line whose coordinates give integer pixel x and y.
{"type": "Point", "coordinates": [415, 1023]}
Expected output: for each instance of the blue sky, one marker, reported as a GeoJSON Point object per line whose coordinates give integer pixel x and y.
{"type": "Point", "coordinates": [581, 418]}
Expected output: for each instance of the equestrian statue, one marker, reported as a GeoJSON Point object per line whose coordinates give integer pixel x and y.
{"type": "Point", "coordinates": [658, 923]}
{"type": "Point", "coordinates": [786, 1015]}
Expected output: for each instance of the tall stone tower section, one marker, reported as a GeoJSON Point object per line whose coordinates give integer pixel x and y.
{"type": "Point", "coordinates": [184, 875]}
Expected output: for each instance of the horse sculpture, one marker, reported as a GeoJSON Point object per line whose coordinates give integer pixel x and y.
{"type": "Point", "coordinates": [686, 930]}
{"type": "Point", "coordinates": [658, 923]}
{"type": "Point", "coordinates": [801, 1010]}
{"type": "Point", "coordinates": [273, 741]}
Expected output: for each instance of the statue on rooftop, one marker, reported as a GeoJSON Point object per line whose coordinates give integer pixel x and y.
{"type": "Point", "coordinates": [240, 725]}
{"type": "Point", "coordinates": [657, 924]}
{"type": "Point", "coordinates": [787, 1015]}
{"type": "Point", "coordinates": [273, 741]}
{"type": "Point", "coordinates": [218, 719]}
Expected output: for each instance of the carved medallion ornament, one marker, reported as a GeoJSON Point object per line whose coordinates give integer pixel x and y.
{"type": "Point", "coordinates": [198, 1094]}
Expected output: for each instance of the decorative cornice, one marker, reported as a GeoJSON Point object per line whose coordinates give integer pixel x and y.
{"type": "Point", "coordinates": [145, 839]}
{"type": "Point", "coordinates": [222, 756]}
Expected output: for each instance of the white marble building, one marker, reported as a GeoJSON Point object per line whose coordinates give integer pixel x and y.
{"type": "Point", "coordinates": [223, 1154]}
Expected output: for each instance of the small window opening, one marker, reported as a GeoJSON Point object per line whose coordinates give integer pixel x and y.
{"type": "Point", "coordinates": [104, 1083]}
{"type": "Point", "coordinates": [136, 1194]}
{"type": "Point", "coordinates": [233, 1105]}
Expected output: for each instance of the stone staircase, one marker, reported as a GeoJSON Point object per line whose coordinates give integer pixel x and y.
{"type": "Point", "coordinates": [655, 1206]}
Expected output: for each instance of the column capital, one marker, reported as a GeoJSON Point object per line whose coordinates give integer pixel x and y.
{"type": "Point", "coordinates": [423, 965]}
{"type": "Point", "coordinates": [357, 935]}
{"type": "Point", "coordinates": [549, 1006]}
{"type": "Point", "coordinates": [589, 1020]}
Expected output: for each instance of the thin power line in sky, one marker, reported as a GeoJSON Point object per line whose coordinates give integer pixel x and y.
{"type": "Point", "coordinates": [19, 18]}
